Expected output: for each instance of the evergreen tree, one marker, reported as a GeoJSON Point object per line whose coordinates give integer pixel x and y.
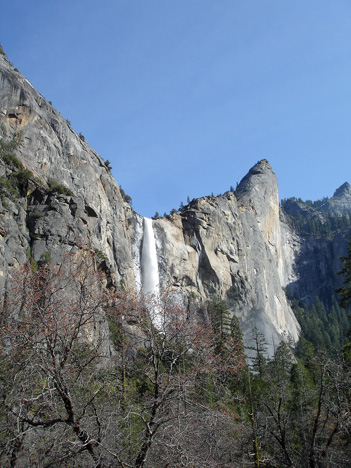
{"type": "Point", "coordinates": [219, 314]}
{"type": "Point", "coordinates": [345, 296]}
{"type": "Point", "coordinates": [259, 348]}
{"type": "Point", "coordinates": [345, 291]}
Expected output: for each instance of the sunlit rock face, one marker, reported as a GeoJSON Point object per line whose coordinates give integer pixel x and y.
{"type": "Point", "coordinates": [96, 213]}
{"type": "Point", "coordinates": [235, 247]}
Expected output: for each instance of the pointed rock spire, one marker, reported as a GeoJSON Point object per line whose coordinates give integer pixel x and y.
{"type": "Point", "coordinates": [343, 191]}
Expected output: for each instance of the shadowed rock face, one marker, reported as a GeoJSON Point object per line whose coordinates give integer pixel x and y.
{"type": "Point", "coordinates": [238, 247]}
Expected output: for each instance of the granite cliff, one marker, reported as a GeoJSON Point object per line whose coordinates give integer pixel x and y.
{"type": "Point", "coordinates": [239, 247]}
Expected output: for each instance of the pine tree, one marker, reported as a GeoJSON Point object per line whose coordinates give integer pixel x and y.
{"type": "Point", "coordinates": [345, 296]}
{"type": "Point", "coordinates": [345, 291]}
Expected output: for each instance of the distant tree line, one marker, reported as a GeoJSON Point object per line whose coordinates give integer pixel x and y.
{"type": "Point", "coordinates": [315, 224]}
{"type": "Point", "coordinates": [325, 327]}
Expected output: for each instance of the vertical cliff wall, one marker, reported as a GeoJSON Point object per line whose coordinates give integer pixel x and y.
{"type": "Point", "coordinates": [235, 247]}
{"type": "Point", "coordinates": [48, 222]}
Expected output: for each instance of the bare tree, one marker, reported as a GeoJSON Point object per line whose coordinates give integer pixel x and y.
{"type": "Point", "coordinates": [160, 398]}
{"type": "Point", "coordinates": [176, 373]}
{"type": "Point", "coordinates": [51, 340]}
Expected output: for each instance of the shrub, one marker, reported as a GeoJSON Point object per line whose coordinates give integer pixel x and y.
{"type": "Point", "coordinates": [37, 214]}
{"type": "Point", "coordinates": [16, 184]}
{"type": "Point", "coordinates": [8, 189]}
{"type": "Point", "coordinates": [45, 259]}
{"type": "Point", "coordinates": [108, 165]}
{"type": "Point", "coordinates": [22, 177]}
{"type": "Point", "coordinates": [125, 197]}
{"type": "Point", "coordinates": [100, 255]}
{"type": "Point", "coordinates": [8, 148]}
{"type": "Point", "coordinates": [55, 187]}
{"type": "Point", "coordinates": [11, 160]}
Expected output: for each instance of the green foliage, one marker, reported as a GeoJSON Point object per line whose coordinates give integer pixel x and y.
{"type": "Point", "coordinates": [12, 161]}
{"type": "Point", "coordinates": [22, 178]}
{"type": "Point", "coordinates": [345, 291]}
{"type": "Point", "coordinates": [125, 197]}
{"type": "Point", "coordinates": [325, 327]}
{"type": "Point", "coordinates": [295, 409]}
{"type": "Point", "coordinates": [2, 52]}
{"type": "Point", "coordinates": [100, 255]}
{"type": "Point", "coordinates": [37, 214]}
{"type": "Point", "coordinates": [8, 149]}
{"type": "Point", "coordinates": [81, 136]}
{"type": "Point", "coordinates": [219, 313]}
{"type": "Point", "coordinates": [309, 221]}
{"type": "Point", "coordinates": [45, 259]}
{"type": "Point", "coordinates": [8, 189]}
{"type": "Point", "coordinates": [16, 184]}
{"type": "Point", "coordinates": [56, 188]}
{"type": "Point", "coordinates": [108, 165]}
{"type": "Point", "coordinates": [33, 263]}
{"type": "Point", "coordinates": [258, 351]}
{"type": "Point", "coordinates": [116, 333]}
{"type": "Point", "coordinates": [345, 298]}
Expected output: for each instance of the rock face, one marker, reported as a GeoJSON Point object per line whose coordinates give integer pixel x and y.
{"type": "Point", "coordinates": [42, 222]}
{"type": "Point", "coordinates": [340, 203]}
{"type": "Point", "coordinates": [237, 246]}
{"type": "Point", "coordinates": [234, 247]}
{"type": "Point", "coordinates": [324, 230]}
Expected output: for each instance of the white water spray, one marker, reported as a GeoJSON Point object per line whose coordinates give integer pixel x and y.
{"type": "Point", "coordinates": [146, 272]}
{"type": "Point", "coordinates": [146, 269]}
{"type": "Point", "coordinates": [150, 282]}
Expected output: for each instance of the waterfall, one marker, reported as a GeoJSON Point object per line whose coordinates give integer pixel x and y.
{"type": "Point", "coordinates": [149, 266]}
{"type": "Point", "coordinates": [146, 272]}
{"type": "Point", "coordinates": [145, 266]}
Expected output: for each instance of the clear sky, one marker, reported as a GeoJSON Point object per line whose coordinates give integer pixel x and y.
{"type": "Point", "coordinates": [183, 97]}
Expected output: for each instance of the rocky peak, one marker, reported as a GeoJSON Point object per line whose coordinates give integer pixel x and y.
{"type": "Point", "coordinates": [344, 191]}
{"type": "Point", "coordinates": [258, 179]}
{"type": "Point", "coordinates": [340, 203]}
{"type": "Point", "coordinates": [258, 192]}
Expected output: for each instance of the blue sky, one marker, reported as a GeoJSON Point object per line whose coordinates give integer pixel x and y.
{"type": "Point", "coordinates": [184, 96]}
